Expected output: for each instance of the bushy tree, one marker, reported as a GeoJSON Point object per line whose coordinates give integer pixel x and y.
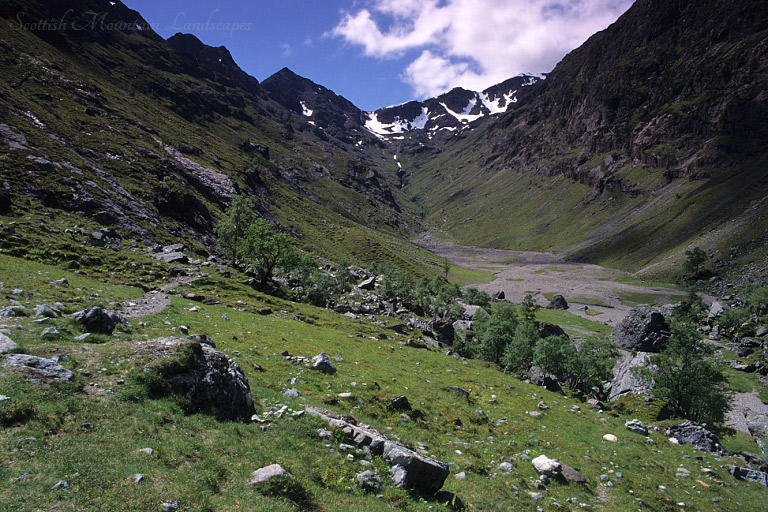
{"type": "Point", "coordinates": [231, 229]}
{"type": "Point", "coordinates": [592, 365]}
{"type": "Point", "coordinates": [344, 278]}
{"type": "Point", "coordinates": [477, 297]}
{"type": "Point", "coordinates": [266, 249]}
{"type": "Point", "coordinates": [517, 357]}
{"type": "Point", "coordinates": [395, 283]}
{"type": "Point", "coordinates": [528, 308]}
{"type": "Point", "coordinates": [553, 355]}
{"type": "Point", "coordinates": [756, 300]}
{"type": "Point", "coordinates": [694, 259]}
{"type": "Point", "coordinates": [687, 377]}
{"type": "Point", "coordinates": [319, 289]}
{"type": "Point", "coordinates": [499, 333]}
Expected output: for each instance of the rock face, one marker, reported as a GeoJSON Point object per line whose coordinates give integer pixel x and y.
{"type": "Point", "coordinates": [643, 329]}
{"type": "Point", "coordinates": [97, 320]}
{"type": "Point", "coordinates": [409, 469]}
{"type": "Point", "coordinates": [413, 471]}
{"type": "Point", "coordinates": [172, 257]}
{"type": "Point", "coordinates": [558, 302]}
{"type": "Point", "coordinates": [749, 475]}
{"type": "Point", "coordinates": [7, 344]}
{"type": "Point", "coordinates": [368, 284]}
{"type": "Point", "coordinates": [541, 378]}
{"type": "Point", "coordinates": [698, 436]}
{"type": "Point", "coordinates": [213, 382]}
{"type": "Point", "coordinates": [322, 363]}
{"type": "Point", "coordinates": [37, 366]}
{"type": "Point", "coordinates": [546, 466]}
{"type": "Point", "coordinates": [624, 379]}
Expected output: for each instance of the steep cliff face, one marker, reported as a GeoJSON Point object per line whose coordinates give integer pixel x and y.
{"type": "Point", "coordinates": [645, 140]}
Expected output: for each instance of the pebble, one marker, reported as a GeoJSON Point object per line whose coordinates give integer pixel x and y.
{"type": "Point", "coordinates": [148, 451]}
{"type": "Point", "coordinates": [61, 484]}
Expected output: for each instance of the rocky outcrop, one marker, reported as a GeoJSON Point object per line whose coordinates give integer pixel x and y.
{"type": "Point", "coordinates": [38, 367]}
{"type": "Point", "coordinates": [208, 379]}
{"type": "Point", "coordinates": [98, 320]}
{"type": "Point", "coordinates": [692, 433]}
{"type": "Point", "coordinates": [749, 475]}
{"type": "Point", "coordinates": [643, 329]}
{"type": "Point", "coordinates": [624, 379]}
{"type": "Point", "coordinates": [7, 344]}
{"type": "Point", "coordinates": [410, 470]}
{"type": "Point", "coordinates": [546, 466]}
{"type": "Point", "coordinates": [322, 362]}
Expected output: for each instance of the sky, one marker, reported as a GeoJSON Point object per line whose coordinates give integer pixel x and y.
{"type": "Point", "coordinates": [383, 52]}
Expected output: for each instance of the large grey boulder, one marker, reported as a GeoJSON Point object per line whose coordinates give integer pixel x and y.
{"type": "Point", "coordinates": [267, 473]}
{"type": "Point", "coordinates": [98, 320]}
{"type": "Point", "coordinates": [716, 309]}
{"type": "Point", "coordinates": [546, 330]}
{"type": "Point", "coordinates": [38, 366]}
{"type": "Point", "coordinates": [368, 481]}
{"type": "Point", "coordinates": [538, 376]}
{"type": "Point", "coordinates": [411, 470]}
{"type": "Point", "coordinates": [624, 379]}
{"type": "Point", "coordinates": [7, 344]}
{"type": "Point", "coordinates": [546, 466]}
{"type": "Point", "coordinates": [323, 363]}
{"type": "Point", "coordinates": [47, 311]}
{"type": "Point", "coordinates": [368, 284]}
{"type": "Point", "coordinates": [470, 311]}
{"type": "Point", "coordinates": [757, 423]}
{"type": "Point", "coordinates": [749, 475]}
{"type": "Point", "coordinates": [210, 381]}
{"type": "Point", "coordinates": [558, 302]}
{"type": "Point", "coordinates": [15, 310]}
{"type": "Point", "coordinates": [643, 329]}
{"type": "Point", "coordinates": [701, 438]}
{"type": "Point", "coordinates": [172, 257]}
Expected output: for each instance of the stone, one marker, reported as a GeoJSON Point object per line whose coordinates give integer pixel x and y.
{"type": "Point", "coordinates": [471, 311]}
{"type": "Point", "coordinates": [701, 438]}
{"type": "Point", "coordinates": [546, 466]}
{"type": "Point", "coordinates": [15, 310]}
{"type": "Point", "coordinates": [637, 426]}
{"type": "Point", "coordinates": [538, 376]}
{"type": "Point", "coordinates": [571, 475]}
{"type": "Point", "coordinates": [322, 363]}
{"type": "Point", "coordinates": [749, 475]}
{"type": "Point", "coordinates": [368, 284]}
{"type": "Point", "coordinates": [137, 478]}
{"type": "Point", "coordinates": [461, 476]}
{"type": "Point", "coordinates": [5, 198]}
{"type": "Point", "coordinates": [54, 332]}
{"type": "Point", "coordinates": [716, 309]}
{"type": "Point", "coordinates": [558, 302]}
{"type": "Point", "coordinates": [172, 257]}
{"type": "Point", "coordinates": [291, 393]}
{"type": "Point", "coordinates": [411, 470]}
{"type": "Point", "coordinates": [47, 311]}
{"type": "Point", "coordinates": [761, 331]}
{"type": "Point", "coordinates": [506, 466]}
{"type": "Point", "coordinates": [61, 484]}
{"type": "Point", "coordinates": [400, 403]}
{"type": "Point", "coordinates": [498, 296]}
{"type": "Point", "coordinates": [643, 329]}
{"type": "Point", "coordinates": [757, 423]}
{"type": "Point", "coordinates": [148, 451]}
{"type": "Point", "coordinates": [546, 330]}
{"type": "Point", "coordinates": [267, 473]}
{"type": "Point", "coordinates": [7, 344]}
{"type": "Point", "coordinates": [611, 438]}
{"type": "Point", "coordinates": [213, 383]}
{"type": "Point", "coordinates": [38, 366]}
{"type": "Point", "coordinates": [369, 481]}
{"type": "Point", "coordinates": [170, 506]}
{"type": "Point", "coordinates": [98, 320]}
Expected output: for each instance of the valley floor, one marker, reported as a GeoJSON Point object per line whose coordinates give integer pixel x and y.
{"type": "Point", "coordinates": [592, 291]}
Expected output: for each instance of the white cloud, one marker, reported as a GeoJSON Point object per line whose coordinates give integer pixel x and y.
{"type": "Point", "coordinates": [474, 43]}
{"type": "Point", "coordinates": [287, 49]}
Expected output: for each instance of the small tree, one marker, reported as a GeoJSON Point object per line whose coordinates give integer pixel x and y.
{"type": "Point", "coordinates": [529, 308]}
{"type": "Point", "coordinates": [695, 258]}
{"type": "Point", "coordinates": [231, 230]}
{"type": "Point", "coordinates": [499, 333]}
{"type": "Point", "coordinates": [518, 354]}
{"type": "Point", "coordinates": [446, 268]}
{"type": "Point", "coordinates": [687, 377]}
{"type": "Point", "coordinates": [592, 365]}
{"type": "Point", "coordinates": [266, 249]}
{"type": "Point", "coordinates": [554, 354]}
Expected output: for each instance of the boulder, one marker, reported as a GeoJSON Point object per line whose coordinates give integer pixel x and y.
{"type": "Point", "coordinates": [368, 284]}
{"type": "Point", "coordinates": [267, 473]}
{"type": "Point", "coordinates": [38, 366]}
{"type": "Point", "coordinates": [369, 481]}
{"type": "Point", "coordinates": [571, 475]}
{"type": "Point", "coordinates": [54, 332]}
{"type": "Point", "coordinates": [546, 330]}
{"type": "Point", "coordinates": [757, 423]}
{"type": "Point", "coordinates": [47, 311]}
{"type": "Point", "coordinates": [558, 302]}
{"type": "Point", "coordinates": [701, 438]}
{"type": "Point", "coordinates": [210, 381]}
{"type": "Point", "coordinates": [461, 329]}
{"type": "Point", "coordinates": [7, 344]}
{"type": "Point", "coordinates": [322, 363]}
{"type": "Point", "coordinates": [442, 331]}
{"type": "Point", "coordinates": [470, 311]}
{"type": "Point", "coordinates": [97, 320]}
{"type": "Point", "coordinates": [498, 296]}
{"type": "Point", "coordinates": [624, 379]}
{"type": "Point", "coordinates": [546, 466]}
{"type": "Point", "coordinates": [643, 329]}
{"type": "Point", "coordinates": [172, 257]}
{"type": "Point", "coordinates": [400, 403]}
{"type": "Point", "coordinates": [637, 426]}
{"type": "Point", "coordinates": [14, 311]}
{"type": "Point", "coordinates": [749, 475]}
{"type": "Point", "coordinates": [411, 470]}
{"type": "Point", "coordinates": [541, 378]}
{"type": "Point", "coordinates": [716, 309]}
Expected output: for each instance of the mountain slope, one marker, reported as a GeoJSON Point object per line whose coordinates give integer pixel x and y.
{"type": "Point", "coordinates": [644, 141]}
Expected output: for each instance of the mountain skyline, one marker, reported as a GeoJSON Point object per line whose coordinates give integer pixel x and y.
{"type": "Point", "coordinates": [330, 44]}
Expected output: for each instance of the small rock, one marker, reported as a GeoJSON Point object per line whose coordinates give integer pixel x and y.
{"type": "Point", "coordinates": [610, 438]}
{"type": "Point", "coordinates": [61, 484]}
{"type": "Point", "coordinates": [322, 363]}
{"type": "Point", "coordinates": [7, 344]}
{"type": "Point", "coordinates": [546, 466]}
{"type": "Point", "coordinates": [170, 506]}
{"type": "Point", "coordinates": [506, 466]}
{"type": "Point", "coordinates": [137, 478]}
{"type": "Point", "coordinates": [148, 451]}
{"type": "Point", "coordinates": [291, 393]}
{"type": "Point", "coordinates": [184, 329]}
{"type": "Point", "coordinates": [369, 481]}
{"type": "Point", "coordinates": [401, 403]}
{"type": "Point", "coordinates": [637, 426]}
{"type": "Point", "coordinates": [461, 476]}
{"type": "Point", "coordinates": [267, 473]}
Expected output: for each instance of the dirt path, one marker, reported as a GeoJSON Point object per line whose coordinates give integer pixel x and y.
{"type": "Point", "coordinates": [743, 402]}
{"type": "Point", "coordinates": [155, 301]}
{"type": "Point", "coordinates": [517, 273]}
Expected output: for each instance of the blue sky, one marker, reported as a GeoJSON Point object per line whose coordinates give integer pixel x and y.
{"type": "Point", "coordinates": [381, 52]}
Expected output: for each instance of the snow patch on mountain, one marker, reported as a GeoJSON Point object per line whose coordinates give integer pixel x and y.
{"type": "Point", "coordinates": [374, 125]}
{"type": "Point", "coordinates": [304, 110]}
{"type": "Point", "coordinates": [465, 116]}
{"type": "Point", "coordinates": [498, 105]}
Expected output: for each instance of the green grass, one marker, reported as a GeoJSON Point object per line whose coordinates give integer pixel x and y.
{"type": "Point", "coordinates": [653, 299]}
{"type": "Point", "coordinates": [204, 464]}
